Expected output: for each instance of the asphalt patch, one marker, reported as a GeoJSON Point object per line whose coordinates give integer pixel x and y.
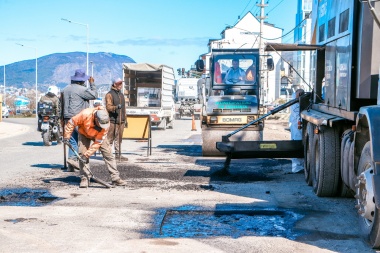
{"type": "Point", "coordinates": [26, 197]}
{"type": "Point", "coordinates": [190, 222]}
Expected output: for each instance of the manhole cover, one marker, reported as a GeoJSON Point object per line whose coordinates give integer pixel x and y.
{"type": "Point", "coordinates": [233, 223]}
{"type": "Point", "coordinates": [25, 197]}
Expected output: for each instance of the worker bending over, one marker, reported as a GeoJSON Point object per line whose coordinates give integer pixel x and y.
{"type": "Point", "coordinates": [93, 125]}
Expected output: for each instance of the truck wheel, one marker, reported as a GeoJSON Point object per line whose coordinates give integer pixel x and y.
{"type": "Point", "coordinates": [163, 124]}
{"type": "Point", "coordinates": [368, 213]}
{"type": "Point", "coordinates": [46, 138]}
{"type": "Point", "coordinates": [344, 184]}
{"type": "Point", "coordinates": [171, 124]}
{"type": "Point", "coordinates": [307, 154]}
{"type": "Point", "coordinates": [326, 159]}
{"type": "Point", "coordinates": [345, 149]}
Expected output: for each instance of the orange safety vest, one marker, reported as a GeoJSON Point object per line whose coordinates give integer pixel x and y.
{"type": "Point", "coordinates": [85, 121]}
{"type": "Point", "coordinates": [218, 74]}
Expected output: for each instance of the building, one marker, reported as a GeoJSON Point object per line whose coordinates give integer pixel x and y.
{"type": "Point", "coordinates": [302, 35]}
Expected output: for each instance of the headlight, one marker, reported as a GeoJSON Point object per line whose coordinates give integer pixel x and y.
{"type": "Point", "coordinates": [213, 119]}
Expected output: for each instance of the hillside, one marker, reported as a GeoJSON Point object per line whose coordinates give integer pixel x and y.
{"type": "Point", "coordinates": [57, 69]}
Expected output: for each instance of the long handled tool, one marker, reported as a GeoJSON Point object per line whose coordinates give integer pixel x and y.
{"type": "Point", "coordinates": [225, 138]}
{"type": "Point", "coordinates": [98, 180]}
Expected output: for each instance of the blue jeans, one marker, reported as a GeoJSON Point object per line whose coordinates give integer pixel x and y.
{"type": "Point", "coordinates": [74, 142]}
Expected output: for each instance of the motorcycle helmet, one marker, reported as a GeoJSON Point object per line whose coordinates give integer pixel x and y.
{"type": "Point", "coordinates": [53, 89]}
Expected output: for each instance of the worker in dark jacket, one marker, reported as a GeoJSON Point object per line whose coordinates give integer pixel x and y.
{"type": "Point", "coordinates": [115, 105]}
{"type": "Point", "coordinates": [76, 97]}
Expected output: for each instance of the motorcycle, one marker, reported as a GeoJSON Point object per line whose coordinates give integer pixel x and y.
{"type": "Point", "coordinates": [48, 123]}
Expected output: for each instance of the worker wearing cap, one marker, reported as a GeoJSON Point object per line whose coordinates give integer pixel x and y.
{"type": "Point", "coordinates": [93, 124]}
{"type": "Point", "coordinates": [115, 104]}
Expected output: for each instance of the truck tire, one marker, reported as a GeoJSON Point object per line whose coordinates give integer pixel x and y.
{"type": "Point", "coordinates": [162, 125]}
{"type": "Point", "coordinates": [369, 215]}
{"type": "Point", "coordinates": [307, 154]}
{"type": "Point", "coordinates": [344, 184]}
{"type": "Point", "coordinates": [345, 150]}
{"type": "Point", "coordinates": [170, 125]}
{"type": "Point", "coordinates": [325, 162]}
{"type": "Point", "coordinates": [46, 138]}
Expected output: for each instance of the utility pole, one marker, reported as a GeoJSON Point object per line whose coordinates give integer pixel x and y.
{"type": "Point", "coordinates": [262, 16]}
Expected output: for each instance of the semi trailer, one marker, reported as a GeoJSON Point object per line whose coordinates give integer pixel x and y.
{"type": "Point", "coordinates": [340, 117]}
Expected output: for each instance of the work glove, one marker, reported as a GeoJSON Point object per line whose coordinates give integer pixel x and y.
{"type": "Point", "coordinates": [84, 159]}
{"type": "Point", "coordinates": [91, 80]}
{"type": "Point", "coordinates": [65, 140]}
{"type": "Point", "coordinates": [119, 106]}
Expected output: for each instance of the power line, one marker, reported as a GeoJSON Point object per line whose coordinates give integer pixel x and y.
{"type": "Point", "coordinates": [288, 32]}
{"type": "Point", "coordinates": [249, 1]}
{"type": "Point", "coordinates": [256, 9]}
{"type": "Point", "coordinates": [275, 7]}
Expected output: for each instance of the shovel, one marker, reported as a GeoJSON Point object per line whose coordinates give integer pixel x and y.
{"type": "Point", "coordinates": [98, 180]}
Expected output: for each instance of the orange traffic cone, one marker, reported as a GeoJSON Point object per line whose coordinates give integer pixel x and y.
{"type": "Point", "coordinates": [193, 127]}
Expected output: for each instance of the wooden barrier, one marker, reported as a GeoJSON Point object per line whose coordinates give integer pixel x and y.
{"type": "Point", "coordinates": [138, 127]}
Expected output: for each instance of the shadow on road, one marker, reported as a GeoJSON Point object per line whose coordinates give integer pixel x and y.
{"type": "Point", "coordinates": [185, 150]}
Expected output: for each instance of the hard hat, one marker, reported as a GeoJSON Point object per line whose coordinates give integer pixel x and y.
{"type": "Point", "coordinates": [53, 89]}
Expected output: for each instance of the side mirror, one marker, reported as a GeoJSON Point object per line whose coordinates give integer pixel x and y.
{"type": "Point", "coordinates": [270, 64]}
{"type": "Point", "coordinates": [200, 65]}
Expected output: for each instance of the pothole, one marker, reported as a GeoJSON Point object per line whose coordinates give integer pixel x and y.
{"type": "Point", "coordinates": [25, 197]}
{"type": "Point", "coordinates": [230, 222]}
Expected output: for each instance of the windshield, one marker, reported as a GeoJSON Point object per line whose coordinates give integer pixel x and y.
{"type": "Point", "coordinates": [235, 73]}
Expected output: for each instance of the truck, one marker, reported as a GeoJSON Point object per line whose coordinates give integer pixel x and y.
{"type": "Point", "coordinates": [228, 102]}
{"type": "Point", "coordinates": [187, 101]}
{"type": "Point", "coordinates": [339, 118]}
{"type": "Point", "coordinates": [148, 90]}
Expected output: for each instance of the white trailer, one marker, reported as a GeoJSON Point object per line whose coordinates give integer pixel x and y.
{"type": "Point", "coordinates": [149, 89]}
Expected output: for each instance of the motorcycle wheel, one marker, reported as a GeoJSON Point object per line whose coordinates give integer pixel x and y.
{"type": "Point", "coordinates": [46, 138]}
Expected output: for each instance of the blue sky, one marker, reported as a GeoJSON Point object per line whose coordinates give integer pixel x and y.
{"type": "Point", "coordinates": [171, 32]}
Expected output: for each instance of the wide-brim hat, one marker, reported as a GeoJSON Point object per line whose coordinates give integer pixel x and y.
{"type": "Point", "coordinates": [103, 118]}
{"type": "Point", "coordinates": [117, 81]}
{"type": "Point", "coordinates": [80, 75]}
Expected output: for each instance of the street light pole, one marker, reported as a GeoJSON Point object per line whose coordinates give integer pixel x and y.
{"type": "Point", "coordinates": [92, 68]}
{"type": "Point", "coordinates": [87, 41]}
{"type": "Point", "coordinates": [5, 94]}
{"type": "Point", "coordinates": [35, 50]}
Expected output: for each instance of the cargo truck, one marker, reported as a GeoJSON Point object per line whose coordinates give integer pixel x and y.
{"type": "Point", "coordinates": [187, 101]}
{"type": "Point", "coordinates": [148, 90]}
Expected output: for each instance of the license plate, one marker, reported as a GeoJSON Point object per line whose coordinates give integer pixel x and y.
{"type": "Point", "coordinates": [45, 126]}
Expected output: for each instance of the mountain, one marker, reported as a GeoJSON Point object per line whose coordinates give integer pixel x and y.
{"type": "Point", "coordinates": [56, 69]}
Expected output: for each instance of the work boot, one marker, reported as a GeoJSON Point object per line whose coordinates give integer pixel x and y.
{"type": "Point", "coordinates": [119, 182]}
{"type": "Point", "coordinates": [83, 182]}
{"type": "Point", "coordinates": [70, 168]}
{"type": "Point", "coordinates": [121, 158]}
{"type": "Point", "coordinates": [74, 163]}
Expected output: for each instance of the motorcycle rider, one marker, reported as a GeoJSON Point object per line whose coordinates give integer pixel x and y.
{"type": "Point", "coordinates": [52, 95]}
